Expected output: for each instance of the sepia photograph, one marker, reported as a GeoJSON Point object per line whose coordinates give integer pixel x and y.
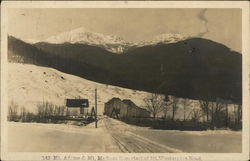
{"type": "Point", "coordinates": [118, 80]}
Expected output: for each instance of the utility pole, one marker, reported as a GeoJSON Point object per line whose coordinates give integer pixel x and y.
{"type": "Point", "coordinates": [95, 108]}
{"type": "Point", "coordinates": [227, 115]}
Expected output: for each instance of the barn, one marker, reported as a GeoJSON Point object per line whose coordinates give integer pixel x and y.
{"type": "Point", "coordinates": [112, 107]}
{"type": "Point", "coordinates": [124, 109]}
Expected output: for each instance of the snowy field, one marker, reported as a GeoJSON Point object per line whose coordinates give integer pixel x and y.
{"type": "Point", "coordinates": [37, 137]}
{"type": "Point", "coordinates": [220, 141]}
{"type": "Point", "coordinates": [116, 136]}
{"type": "Point", "coordinates": [31, 84]}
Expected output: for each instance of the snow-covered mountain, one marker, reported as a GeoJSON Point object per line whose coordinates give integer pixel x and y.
{"type": "Point", "coordinates": [81, 35]}
{"type": "Point", "coordinates": [30, 41]}
{"type": "Point", "coordinates": [163, 39]}
{"type": "Point", "coordinates": [111, 43]}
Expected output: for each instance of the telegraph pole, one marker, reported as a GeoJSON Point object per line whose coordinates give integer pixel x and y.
{"type": "Point", "coordinates": [95, 108]}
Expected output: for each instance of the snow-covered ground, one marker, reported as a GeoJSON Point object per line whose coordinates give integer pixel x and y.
{"type": "Point", "coordinates": [143, 139]}
{"type": "Point", "coordinates": [116, 136]}
{"type": "Point", "coordinates": [31, 84]}
{"type": "Point", "coordinates": [219, 141]}
{"type": "Point", "coordinates": [37, 137]}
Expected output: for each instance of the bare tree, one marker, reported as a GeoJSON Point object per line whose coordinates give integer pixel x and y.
{"type": "Point", "coordinates": [50, 109]}
{"type": "Point", "coordinates": [218, 113]}
{"type": "Point", "coordinates": [46, 105]}
{"type": "Point", "coordinates": [55, 110]}
{"type": "Point", "coordinates": [186, 103]}
{"type": "Point", "coordinates": [166, 106]}
{"type": "Point", "coordinates": [67, 112]}
{"type": "Point", "coordinates": [205, 105]}
{"type": "Point", "coordinates": [23, 114]}
{"type": "Point", "coordinates": [63, 110]}
{"type": "Point", "coordinates": [29, 116]}
{"type": "Point", "coordinates": [239, 114]}
{"type": "Point", "coordinates": [235, 114]}
{"type": "Point", "coordinates": [40, 110]}
{"type": "Point", "coordinates": [196, 114]}
{"type": "Point", "coordinates": [154, 104]}
{"type": "Point", "coordinates": [12, 111]}
{"type": "Point", "coordinates": [175, 106]}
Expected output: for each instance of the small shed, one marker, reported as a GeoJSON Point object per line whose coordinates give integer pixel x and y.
{"type": "Point", "coordinates": [75, 107]}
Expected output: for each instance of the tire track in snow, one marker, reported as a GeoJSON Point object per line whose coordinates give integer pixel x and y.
{"type": "Point", "coordinates": [129, 142]}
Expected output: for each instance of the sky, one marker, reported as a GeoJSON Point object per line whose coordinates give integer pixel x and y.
{"type": "Point", "coordinates": [137, 24]}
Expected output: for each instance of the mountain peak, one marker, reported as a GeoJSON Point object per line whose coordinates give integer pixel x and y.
{"type": "Point", "coordinates": [169, 38]}
{"type": "Point", "coordinates": [163, 38]}
{"type": "Point", "coordinates": [81, 35]}
{"type": "Point", "coordinates": [111, 43]}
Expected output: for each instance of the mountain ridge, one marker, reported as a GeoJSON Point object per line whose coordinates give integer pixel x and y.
{"type": "Point", "coordinates": [194, 68]}
{"type": "Point", "coordinates": [111, 43]}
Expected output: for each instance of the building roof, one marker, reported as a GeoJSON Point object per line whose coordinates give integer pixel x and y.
{"type": "Point", "coordinates": [129, 102]}
{"type": "Point", "coordinates": [113, 99]}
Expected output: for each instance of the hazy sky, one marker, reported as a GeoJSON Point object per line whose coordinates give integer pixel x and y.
{"type": "Point", "coordinates": [221, 25]}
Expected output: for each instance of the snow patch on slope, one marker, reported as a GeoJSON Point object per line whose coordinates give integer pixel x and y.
{"type": "Point", "coordinates": [163, 39]}
{"type": "Point", "coordinates": [30, 41]}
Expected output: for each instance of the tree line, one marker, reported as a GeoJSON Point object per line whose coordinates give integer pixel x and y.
{"type": "Point", "coordinates": [45, 111]}
{"type": "Point", "coordinates": [213, 114]}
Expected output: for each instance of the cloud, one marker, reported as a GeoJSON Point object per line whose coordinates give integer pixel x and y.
{"type": "Point", "coordinates": [201, 16]}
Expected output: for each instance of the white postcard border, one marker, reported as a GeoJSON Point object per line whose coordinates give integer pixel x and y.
{"type": "Point", "coordinates": [128, 4]}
